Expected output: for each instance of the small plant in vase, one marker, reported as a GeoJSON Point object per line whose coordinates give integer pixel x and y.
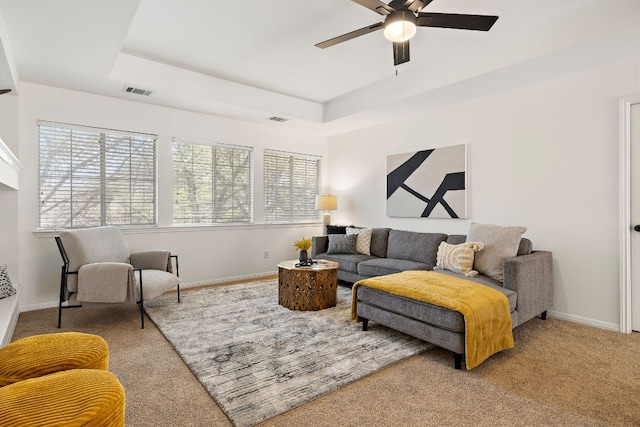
{"type": "Point", "coordinates": [303, 246]}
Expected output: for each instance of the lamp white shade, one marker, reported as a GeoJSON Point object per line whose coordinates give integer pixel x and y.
{"type": "Point", "coordinates": [326, 202]}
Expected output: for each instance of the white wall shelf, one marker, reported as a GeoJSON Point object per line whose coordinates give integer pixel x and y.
{"type": "Point", "coordinates": [10, 168]}
{"type": "Point", "coordinates": [9, 312]}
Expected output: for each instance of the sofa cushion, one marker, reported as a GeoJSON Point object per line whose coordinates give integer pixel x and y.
{"type": "Point", "coordinates": [456, 239]}
{"type": "Point", "coordinates": [425, 312]}
{"type": "Point", "coordinates": [525, 247]}
{"type": "Point", "coordinates": [413, 309]}
{"type": "Point", "coordinates": [414, 246]}
{"type": "Point", "coordinates": [379, 240]}
{"type": "Point", "coordinates": [347, 262]}
{"type": "Point", "coordinates": [363, 241]}
{"type": "Point", "coordinates": [383, 266]}
{"type": "Point", "coordinates": [499, 243]}
{"type": "Point", "coordinates": [342, 244]}
{"type": "Point", "coordinates": [512, 296]}
{"type": "Point", "coordinates": [458, 258]}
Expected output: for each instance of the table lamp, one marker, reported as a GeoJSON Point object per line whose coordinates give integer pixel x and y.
{"type": "Point", "coordinates": [326, 202]}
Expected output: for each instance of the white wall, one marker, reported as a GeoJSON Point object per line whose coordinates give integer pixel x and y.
{"type": "Point", "coordinates": [206, 253]}
{"type": "Point", "coordinates": [8, 197]}
{"type": "Point", "coordinates": [543, 156]}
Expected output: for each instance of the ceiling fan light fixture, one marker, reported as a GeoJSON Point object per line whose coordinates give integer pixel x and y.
{"type": "Point", "coordinates": [400, 26]}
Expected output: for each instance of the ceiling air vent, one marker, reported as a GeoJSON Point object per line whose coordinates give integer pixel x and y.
{"type": "Point", "coordinates": [136, 91]}
{"type": "Point", "coordinates": [277, 119]}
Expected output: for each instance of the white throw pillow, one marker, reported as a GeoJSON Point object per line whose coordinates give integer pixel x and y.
{"type": "Point", "coordinates": [458, 258]}
{"type": "Point", "coordinates": [499, 243]}
{"type": "Point", "coordinates": [363, 242]}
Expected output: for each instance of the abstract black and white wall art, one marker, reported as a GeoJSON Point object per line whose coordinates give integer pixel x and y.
{"type": "Point", "coordinates": [428, 183]}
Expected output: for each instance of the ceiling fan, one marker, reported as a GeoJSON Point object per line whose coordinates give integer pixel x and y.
{"type": "Point", "coordinates": [3, 91]}
{"type": "Point", "coordinates": [400, 22]}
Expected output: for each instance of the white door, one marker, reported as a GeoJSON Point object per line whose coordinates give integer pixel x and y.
{"type": "Point", "coordinates": [635, 216]}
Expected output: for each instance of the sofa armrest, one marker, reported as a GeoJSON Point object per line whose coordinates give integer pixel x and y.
{"type": "Point", "coordinates": [150, 260]}
{"type": "Point", "coordinates": [531, 276]}
{"type": "Point", "coordinates": [104, 282]}
{"type": "Point", "coordinates": [318, 245]}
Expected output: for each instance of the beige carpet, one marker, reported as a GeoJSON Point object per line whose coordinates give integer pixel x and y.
{"type": "Point", "coordinates": [559, 374]}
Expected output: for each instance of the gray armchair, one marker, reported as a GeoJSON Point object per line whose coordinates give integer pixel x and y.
{"type": "Point", "coordinates": [98, 268]}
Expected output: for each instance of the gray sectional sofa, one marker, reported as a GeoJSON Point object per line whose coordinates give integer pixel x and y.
{"type": "Point", "coordinates": [527, 283]}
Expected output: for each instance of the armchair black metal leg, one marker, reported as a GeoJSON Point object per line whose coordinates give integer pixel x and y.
{"type": "Point", "coordinates": [175, 258]}
{"type": "Point", "coordinates": [141, 316]}
{"type": "Point", "coordinates": [365, 324]}
{"type": "Point", "coordinates": [543, 315]}
{"type": "Point", "coordinates": [141, 302]}
{"type": "Point", "coordinates": [62, 289]}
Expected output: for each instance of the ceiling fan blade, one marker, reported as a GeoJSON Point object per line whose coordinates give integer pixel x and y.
{"type": "Point", "coordinates": [453, 20]}
{"type": "Point", "coordinates": [412, 5]}
{"type": "Point", "coordinates": [349, 36]}
{"type": "Point", "coordinates": [375, 5]}
{"type": "Point", "coordinates": [400, 52]}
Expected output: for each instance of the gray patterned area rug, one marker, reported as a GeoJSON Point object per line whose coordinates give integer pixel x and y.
{"type": "Point", "coordinates": [258, 359]}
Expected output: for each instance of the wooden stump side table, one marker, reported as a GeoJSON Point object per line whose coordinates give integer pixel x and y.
{"type": "Point", "coordinates": [307, 288]}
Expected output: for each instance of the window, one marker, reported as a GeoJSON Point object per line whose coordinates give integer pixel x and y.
{"type": "Point", "coordinates": [291, 182]}
{"type": "Point", "coordinates": [91, 176]}
{"type": "Point", "coordinates": [212, 183]}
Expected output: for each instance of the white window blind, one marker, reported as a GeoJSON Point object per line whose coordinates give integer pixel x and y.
{"type": "Point", "coordinates": [291, 182]}
{"type": "Point", "coordinates": [91, 176]}
{"type": "Point", "coordinates": [212, 183]}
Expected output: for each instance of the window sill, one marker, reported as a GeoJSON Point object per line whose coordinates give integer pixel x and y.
{"type": "Point", "coordinates": [193, 228]}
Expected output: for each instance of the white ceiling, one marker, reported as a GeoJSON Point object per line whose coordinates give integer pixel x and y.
{"type": "Point", "coordinates": [216, 57]}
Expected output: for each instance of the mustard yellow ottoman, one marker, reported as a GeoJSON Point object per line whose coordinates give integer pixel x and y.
{"type": "Point", "coordinates": [79, 397]}
{"type": "Point", "coordinates": [40, 355]}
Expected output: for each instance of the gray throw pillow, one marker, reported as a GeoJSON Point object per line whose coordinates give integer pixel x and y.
{"type": "Point", "coordinates": [379, 240]}
{"type": "Point", "coordinates": [499, 243]}
{"type": "Point", "coordinates": [342, 243]}
{"type": "Point", "coordinates": [6, 289]}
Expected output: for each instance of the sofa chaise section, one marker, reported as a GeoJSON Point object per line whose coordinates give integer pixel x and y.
{"type": "Point", "coordinates": [527, 284]}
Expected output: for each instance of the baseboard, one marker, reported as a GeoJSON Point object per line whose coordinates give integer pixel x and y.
{"type": "Point", "coordinates": [584, 321]}
{"type": "Point", "coordinates": [39, 306]}
{"type": "Point", "coordinates": [202, 283]}
{"type": "Point", "coordinates": [9, 312]}
{"type": "Point", "coordinates": [184, 285]}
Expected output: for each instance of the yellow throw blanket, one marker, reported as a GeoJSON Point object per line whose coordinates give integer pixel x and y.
{"type": "Point", "coordinates": [485, 310]}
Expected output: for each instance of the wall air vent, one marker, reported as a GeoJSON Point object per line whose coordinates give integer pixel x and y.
{"type": "Point", "coordinates": [136, 90]}
{"type": "Point", "coordinates": [277, 119]}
